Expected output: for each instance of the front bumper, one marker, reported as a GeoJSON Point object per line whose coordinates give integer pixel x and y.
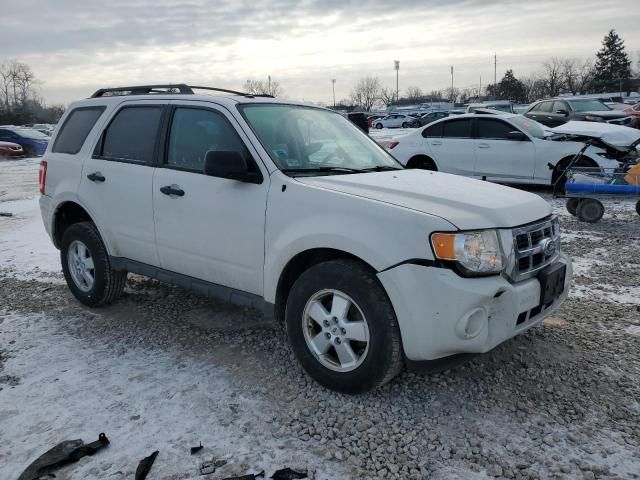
{"type": "Point", "coordinates": [442, 314]}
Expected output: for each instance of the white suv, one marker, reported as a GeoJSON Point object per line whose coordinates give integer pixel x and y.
{"type": "Point", "coordinates": [293, 210]}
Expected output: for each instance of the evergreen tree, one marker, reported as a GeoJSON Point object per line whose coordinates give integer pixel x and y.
{"type": "Point", "coordinates": [510, 88]}
{"type": "Point", "coordinates": [613, 67]}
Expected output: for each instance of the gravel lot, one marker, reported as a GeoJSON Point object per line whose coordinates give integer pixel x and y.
{"type": "Point", "coordinates": [561, 401]}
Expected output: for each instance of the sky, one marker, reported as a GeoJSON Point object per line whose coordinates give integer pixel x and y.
{"type": "Point", "coordinates": [76, 47]}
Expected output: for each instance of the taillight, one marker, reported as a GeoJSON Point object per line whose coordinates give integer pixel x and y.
{"type": "Point", "coordinates": [42, 175]}
{"type": "Point", "coordinates": [393, 145]}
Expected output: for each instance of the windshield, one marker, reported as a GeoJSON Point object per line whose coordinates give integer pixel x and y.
{"type": "Point", "coordinates": [532, 127]}
{"type": "Point", "coordinates": [311, 141]}
{"type": "Point", "coordinates": [587, 106]}
{"type": "Point", "coordinates": [31, 133]}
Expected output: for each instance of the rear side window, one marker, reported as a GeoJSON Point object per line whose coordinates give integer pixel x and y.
{"type": "Point", "coordinates": [433, 131]}
{"type": "Point", "coordinates": [131, 135]}
{"type": "Point", "coordinates": [75, 129]}
{"type": "Point", "coordinates": [493, 129]}
{"type": "Point", "coordinates": [457, 128]}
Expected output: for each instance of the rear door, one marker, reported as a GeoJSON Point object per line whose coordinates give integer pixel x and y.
{"type": "Point", "coordinates": [214, 230]}
{"type": "Point", "coordinates": [452, 144]}
{"type": "Point", "coordinates": [497, 157]}
{"type": "Point", "coordinates": [116, 181]}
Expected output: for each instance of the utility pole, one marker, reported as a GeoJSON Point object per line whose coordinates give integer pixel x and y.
{"type": "Point", "coordinates": [333, 87]}
{"type": "Point", "coordinates": [396, 64]}
{"type": "Point", "coordinates": [480, 89]}
{"type": "Point", "coordinates": [452, 96]}
{"type": "Point", "coordinates": [495, 75]}
{"type": "Point", "coordinates": [269, 78]}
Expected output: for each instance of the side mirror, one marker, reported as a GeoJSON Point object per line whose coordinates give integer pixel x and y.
{"type": "Point", "coordinates": [231, 165]}
{"type": "Point", "coordinates": [562, 111]}
{"type": "Point", "coordinates": [517, 136]}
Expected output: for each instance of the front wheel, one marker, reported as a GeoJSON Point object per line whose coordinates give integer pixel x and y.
{"type": "Point", "coordinates": [342, 327]}
{"type": "Point", "coordinates": [378, 126]}
{"type": "Point", "coordinates": [405, 125]}
{"type": "Point", "coordinates": [638, 207]}
{"type": "Point", "coordinates": [86, 266]}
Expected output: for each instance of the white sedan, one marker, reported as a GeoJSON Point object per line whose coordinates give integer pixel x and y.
{"type": "Point", "coordinates": [505, 148]}
{"type": "Point", "coordinates": [395, 120]}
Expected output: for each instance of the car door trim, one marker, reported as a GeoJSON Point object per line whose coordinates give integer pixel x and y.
{"type": "Point", "coordinates": [202, 287]}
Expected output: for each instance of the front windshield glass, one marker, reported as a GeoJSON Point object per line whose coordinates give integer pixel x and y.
{"type": "Point", "coordinates": [31, 133]}
{"type": "Point", "coordinates": [588, 106]}
{"type": "Point", "coordinates": [311, 141]}
{"type": "Point", "coordinates": [532, 127]}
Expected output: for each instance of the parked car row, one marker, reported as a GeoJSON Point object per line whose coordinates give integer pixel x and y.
{"type": "Point", "coordinates": [291, 209]}
{"type": "Point", "coordinates": [33, 142]}
{"type": "Point", "coordinates": [410, 120]}
{"type": "Point", "coordinates": [557, 111]}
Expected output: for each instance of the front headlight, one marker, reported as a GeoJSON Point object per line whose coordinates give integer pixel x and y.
{"type": "Point", "coordinates": [593, 118]}
{"type": "Point", "coordinates": [476, 252]}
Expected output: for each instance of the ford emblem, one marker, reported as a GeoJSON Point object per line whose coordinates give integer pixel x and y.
{"type": "Point", "coordinates": [548, 247]}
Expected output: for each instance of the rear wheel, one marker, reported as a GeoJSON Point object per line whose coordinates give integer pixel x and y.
{"type": "Point", "coordinates": [572, 205]}
{"type": "Point", "coordinates": [342, 327]}
{"type": "Point", "coordinates": [590, 210]}
{"type": "Point", "coordinates": [378, 126]}
{"type": "Point", "coordinates": [86, 266]}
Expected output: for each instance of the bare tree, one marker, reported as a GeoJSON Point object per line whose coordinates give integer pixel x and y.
{"type": "Point", "coordinates": [414, 94]}
{"type": "Point", "coordinates": [436, 94]}
{"type": "Point", "coordinates": [366, 92]}
{"type": "Point", "coordinates": [553, 73]}
{"type": "Point", "coordinates": [452, 93]}
{"type": "Point", "coordinates": [387, 96]}
{"type": "Point", "coordinates": [259, 87]}
{"type": "Point", "coordinates": [535, 87]}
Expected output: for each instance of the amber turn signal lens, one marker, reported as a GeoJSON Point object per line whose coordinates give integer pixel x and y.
{"type": "Point", "coordinates": [444, 245]}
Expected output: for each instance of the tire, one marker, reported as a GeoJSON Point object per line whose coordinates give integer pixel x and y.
{"type": "Point", "coordinates": [378, 126]}
{"type": "Point", "coordinates": [572, 205]}
{"type": "Point", "coordinates": [589, 210]}
{"type": "Point", "coordinates": [638, 207]}
{"type": "Point", "coordinates": [405, 125]}
{"type": "Point", "coordinates": [82, 248]}
{"type": "Point", "coordinates": [422, 163]}
{"type": "Point", "coordinates": [558, 173]}
{"type": "Point", "coordinates": [375, 347]}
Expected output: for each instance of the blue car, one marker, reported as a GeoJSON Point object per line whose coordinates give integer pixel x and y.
{"type": "Point", "coordinates": [33, 142]}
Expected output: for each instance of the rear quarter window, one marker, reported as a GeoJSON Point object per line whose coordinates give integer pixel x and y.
{"type": "Point", "coordinates": [76, 128]}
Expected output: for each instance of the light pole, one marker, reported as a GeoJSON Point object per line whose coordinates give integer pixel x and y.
{"type": "Point", "coordinates": [396, 65]}
{"type": "Point", "coordinates": [333, 88]}
{"type": "Point", "coordinates": [452, 96]}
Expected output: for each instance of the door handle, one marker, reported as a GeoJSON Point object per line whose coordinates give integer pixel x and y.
{"type": "Point", "coordinates": [172, 190]}
{"type": "Point", "coordinates": [96, 177]}
{"type": "Point", "coordinates": [436, 142]}
{"type": "Point", "coordinates": [483, 145]}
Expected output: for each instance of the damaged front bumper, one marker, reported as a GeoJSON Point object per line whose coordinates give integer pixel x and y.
{"type": "Point", "coordinates": [442, 314]}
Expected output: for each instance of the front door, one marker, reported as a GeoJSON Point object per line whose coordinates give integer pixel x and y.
{"type": "Point", "coordinates": [207, 227]}
{"type": "Point", "coordinates": [497, 157]}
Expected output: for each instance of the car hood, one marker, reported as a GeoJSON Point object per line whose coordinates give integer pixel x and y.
{"type": "Point", "coordinates": [466, 203]}
{"type": "Point", "coordinates": [604, 114]}
{"type": "Point", "coordinates": [613, 135]}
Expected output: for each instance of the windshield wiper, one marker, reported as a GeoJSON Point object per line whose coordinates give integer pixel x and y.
{"type": "Point", "coordinates": [380, 168]}
{"type": "Point", "coordinates": [322, 170]}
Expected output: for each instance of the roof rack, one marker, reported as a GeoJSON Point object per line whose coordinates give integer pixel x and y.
{"type": "Point", "coordinates": [178, 88]}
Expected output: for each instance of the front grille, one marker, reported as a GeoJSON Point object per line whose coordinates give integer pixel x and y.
{"type": "Point", "coordinates": [529, 243]}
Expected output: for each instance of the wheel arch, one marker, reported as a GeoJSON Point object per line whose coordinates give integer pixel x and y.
{"type": "Point", "coordinates": [562, 164]}
{"type": "Point", "coordinates": [66, 214]}
{"type": "Point", "coordinates": [420, 159]}
{"type": "Point", "coordinates": [301, 262]}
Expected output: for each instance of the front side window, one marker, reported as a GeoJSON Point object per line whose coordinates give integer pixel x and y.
{"type": "Point", "coordinates": [131, 135]}
{"type": "Point", "coordinates": [194, 132]}
{"type": "Point", "coordinates": [493, 129]}
{"type": "Point", "coordinates": [457, 128]}
{"type": "Point", "coordinates": [75, 129]}
{"type": "Point", "coordinates": [559, 106]}
{"type": "Point", "coordinates": [307, 140]}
